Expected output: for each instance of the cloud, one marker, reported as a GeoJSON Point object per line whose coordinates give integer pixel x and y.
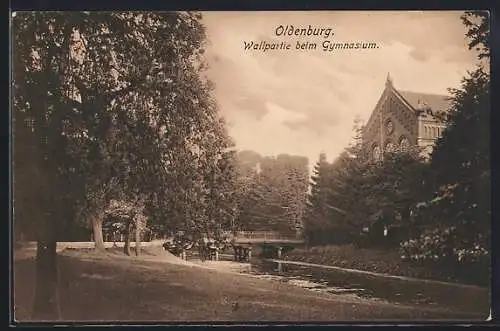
{"type": "Point", "coordinates": [293, 120]}
{"type": "Point", "coordinates": [281, 115]}
{"type": "Point", "coordinates": [307, 124]}
{"type": "Point", "coordinates": [253, 105]}
{"type": "Point", "coordinates": [419, 55]}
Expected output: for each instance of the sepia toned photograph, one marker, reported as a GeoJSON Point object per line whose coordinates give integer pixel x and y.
{"type": "Point", "coordinates": [250, 167]}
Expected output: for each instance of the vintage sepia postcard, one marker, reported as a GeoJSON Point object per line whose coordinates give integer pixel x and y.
{"type": "Point", "coordinates": [250, 167]}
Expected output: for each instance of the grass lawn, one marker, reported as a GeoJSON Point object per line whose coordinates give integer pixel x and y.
{"type": "Point", "coordinates": [114, 287]}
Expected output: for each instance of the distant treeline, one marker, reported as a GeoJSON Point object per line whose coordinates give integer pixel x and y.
{"type": "Point", "coordinates": [272, 191]}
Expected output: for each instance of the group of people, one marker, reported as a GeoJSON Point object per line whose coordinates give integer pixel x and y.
{"type": "Point", "coordinates": [208, 249]}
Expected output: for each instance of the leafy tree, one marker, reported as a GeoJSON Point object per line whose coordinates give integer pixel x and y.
{"type": "Point", "coordinates": [200, 178]}
{"type": "Point", "coordinates": [41, 98]}
{"type": "Point", "coordinates": [114, 98]}
{"type": "Point", "coordinates": [395, 186]}
{"type": "Point", "coordinates": [28, 182]}
{"type": "Point", "coordinates": [318, 214]}
{"type": "Point", "coordinates": [294, 190]}
{"type": "Point", "coordinates": [463, 191]}
{"type": "Point", "coordinates": [363, 193]}
{"type": "Point", "coordinates": [349, 181]}
{"type": "Point", "coordinates": [459, 209]}
{"type": "Point", "coordinates": [223, 187]}
{"type": "Point", "coordinates": [271, 192]}
{"type": "Point", "coordinates": [478, 24]}
{"type": "Point", "coordinates": [247, 194]}
{"type": "Point", "coordinates": [346, 195]}
{"type": "Point", "coordinates": [462, 195]}
{"type": "Point", "coordinates": [146, 53]}
{"type": "Point", "coordinates": [129, 214]}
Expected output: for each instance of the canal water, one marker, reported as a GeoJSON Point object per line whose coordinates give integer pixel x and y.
{"type": "Point", "coordinates": [366, 286]}
{"type": "Point", "coordinates": [369, 287]}
{"type": "Point", "coordinates": [310, 278]}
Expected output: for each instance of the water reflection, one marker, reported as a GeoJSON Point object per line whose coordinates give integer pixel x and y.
{"type": "Point", "coordinates": [366, 286]}
{"type": "Point", "coordinates": [308, 278]}
{"type": "Point", "coordinates": [375, 288]}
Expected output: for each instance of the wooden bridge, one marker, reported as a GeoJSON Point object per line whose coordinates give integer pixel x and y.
{"type": "Point", "coordinates": [262, 237]}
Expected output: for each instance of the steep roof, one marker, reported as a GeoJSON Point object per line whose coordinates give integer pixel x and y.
{"type": "Point", "coordinates": [416, 100]}
{"type": "Point", "coordinates": [435, 101]}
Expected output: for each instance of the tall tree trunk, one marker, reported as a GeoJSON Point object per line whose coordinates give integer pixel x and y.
{"type": "Point", "coordinates": [97, 230]}
{"type": "Point", "coordinates": [46, 303]}
{"type": "Point", "coordinates": [126, 247]}
{"type": "Point", "coordinates": [138, 238]}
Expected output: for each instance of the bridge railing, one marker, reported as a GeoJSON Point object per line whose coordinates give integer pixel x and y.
{"type": "Point", "coordinates": [271, 235]}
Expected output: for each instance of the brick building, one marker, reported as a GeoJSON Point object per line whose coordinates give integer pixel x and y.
{"type": "Point", "coordinates": [401, 119]}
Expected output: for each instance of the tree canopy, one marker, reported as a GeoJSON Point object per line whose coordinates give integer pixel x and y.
{"type": "Point", "coordinates": [113, 106]}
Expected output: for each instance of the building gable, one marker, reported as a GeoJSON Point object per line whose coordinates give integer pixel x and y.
{"type": "Point", "coordinates": [391, 107]}
{"type": "Point", "coordinates": [372, 126]}
{"type": "Point", "coordinates": [400, 111]}
{"type": "Point", "coordinates": [399, 118]}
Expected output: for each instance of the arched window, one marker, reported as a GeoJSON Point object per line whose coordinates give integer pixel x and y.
{"type": "Point", "coordinates": [376, 153]}
{"type": "Point", "coordinates": [389, 127]}
{"type": "Point", "coordinates": [404, 144]}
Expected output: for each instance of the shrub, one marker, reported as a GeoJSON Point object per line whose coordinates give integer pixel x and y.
{"type": "Point", "coordinates": [442, 244]}
{"type": "Point", "coordinates": [444, 249]}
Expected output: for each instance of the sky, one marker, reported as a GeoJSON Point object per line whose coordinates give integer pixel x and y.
{"type": "Point", "coordinates": [304, 102]}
